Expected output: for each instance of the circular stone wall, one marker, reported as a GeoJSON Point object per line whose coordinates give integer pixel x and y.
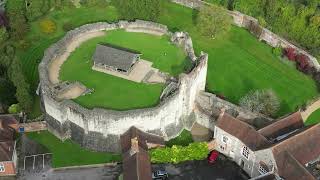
{"type": "Point", "coordinates": [100, 129]}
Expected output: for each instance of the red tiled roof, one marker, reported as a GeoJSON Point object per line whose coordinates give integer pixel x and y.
{"type": "Point", "coordinates": [243, 131]}
{"type": "Point", "coordinates": [303, 148]}
{"type": "Point", "coordinates": [290, 168]}
{"type": "Point", "coordinates": [136, 160]}
{"type": "Point", "coordinates": [283, 126]}
{"type": "Point", "coordinates": [6, 150]}
{"type": "Point", "coordinates": [137, 166]}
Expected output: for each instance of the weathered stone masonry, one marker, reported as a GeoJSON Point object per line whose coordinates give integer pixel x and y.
{"type": "Point", "coordinates": [100, 129]}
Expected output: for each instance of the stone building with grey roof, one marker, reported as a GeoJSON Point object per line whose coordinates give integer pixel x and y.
{"type": "Point", "coordinates": [284, 150]}
{"type": "Point", "coordinates": [115, 58]}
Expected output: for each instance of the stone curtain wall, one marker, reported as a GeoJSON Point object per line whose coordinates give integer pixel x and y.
{"type": "Point", "coordinates": [248, 22]}
{"type": "Point", "coordinates": [100, 129]}
{"type": "Point", "coordinates": [269, 37]}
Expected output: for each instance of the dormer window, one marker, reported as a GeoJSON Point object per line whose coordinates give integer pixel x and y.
{"type": "Point", "coordinates": [263, 168]}
{"type": "Point", "coordinates": [245, 152]}
{"type": "Point", "coordinates": [225, 139]}
{"type": "Point", "coordinates": [2, 169]}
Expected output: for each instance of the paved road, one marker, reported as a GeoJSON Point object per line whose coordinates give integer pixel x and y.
{"type": "Point", "coordinates": [201, 170]}
{"type": "Point", "coordinates": [100, 173]}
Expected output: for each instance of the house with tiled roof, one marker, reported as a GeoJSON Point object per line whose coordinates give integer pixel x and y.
{"type": "Point", "coordinates": [8, 155]}
{"type": "Point", "coordinates": [281, 150]}
{"type": "Point", "coordinates": [136, 161]}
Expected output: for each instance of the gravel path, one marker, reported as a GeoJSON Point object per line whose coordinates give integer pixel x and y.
{"type": "Point", "coordinates": [55, 65]}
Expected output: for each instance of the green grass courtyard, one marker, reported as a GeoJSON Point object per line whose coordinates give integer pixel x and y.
{"type": "Point", "coordinates": [68, 153]}
{"type": "Point", "coordinates": [238, 62]}
{"type": "Point", "coordinates": [117, 93]}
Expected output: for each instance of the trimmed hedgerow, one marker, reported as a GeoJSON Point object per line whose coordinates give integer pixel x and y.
{"type": "Point", "coordinates": [177, 154]}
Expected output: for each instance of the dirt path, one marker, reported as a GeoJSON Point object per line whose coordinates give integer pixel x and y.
{"type": "Point", "coordinates": [310, 109]}
{"type": "Point", "coordinates": [55, 65]}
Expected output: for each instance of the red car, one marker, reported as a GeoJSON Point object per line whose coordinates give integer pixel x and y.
{"type": "Point", "coordinates": [213, 156]}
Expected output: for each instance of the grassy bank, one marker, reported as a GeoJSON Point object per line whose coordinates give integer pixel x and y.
{"type": "Point", "coordinates": [68, 153]}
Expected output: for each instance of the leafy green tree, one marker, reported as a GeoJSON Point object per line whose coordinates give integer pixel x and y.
{"type": "Point", "coordinates": [17, 19]}
{"type": "Point", "coordinates": [139, 9]}
{"type": "Point", "coordinates": [213, 21]}
{"type": "Point", "coordinates": [22, 87]}
{"type": "Point", "coordinates": [3, 35]}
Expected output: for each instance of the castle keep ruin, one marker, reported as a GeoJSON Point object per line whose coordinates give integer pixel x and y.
{"type": "Point", "coordinates": [100, 129]}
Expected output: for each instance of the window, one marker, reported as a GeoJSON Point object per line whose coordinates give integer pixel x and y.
{"type": "Point", "coordinates": [245, 152]}
{"type": "Point", "coordinates": [263, 168]}
{"type": "Point", "coordinates": [225, 139]}
{"type": "Point", "coordinates": [2, 169]}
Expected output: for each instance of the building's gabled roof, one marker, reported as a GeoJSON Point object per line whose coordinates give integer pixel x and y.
{"type": "Point", "coordinates": [8, 126]}
{"type": "Point", "coordinates": [6, 150]}
{"type": "Point", "coordinates": [283, 126]}
{"type": "Point", "coordinates": [243, 131]}
{"type": "Point", "coordinates": [142, 137]}
{"type": "Point", "coordinates": [136, 160]}
{"type": "Point", "coordinates": [113, 56]}
{"type": "Point", "coordinates": [137, 166]}
{"type": "Point", "coordinates": [290, 168]}
{"type": "Point", "coordinates": [303, 147]}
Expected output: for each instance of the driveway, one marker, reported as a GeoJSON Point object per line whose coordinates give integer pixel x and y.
{"type": "Point", "coordinates": [201, 170]}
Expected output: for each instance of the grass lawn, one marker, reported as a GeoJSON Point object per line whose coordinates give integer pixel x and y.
{"type": "Point", "coordinates": [314, 118]}
{"type": "Point", "coordinates": [238, 62]}
{"type": "Point", "coordinates": [117, 93]}
{"type": "Point", "coordinates": [36, 111]}
{"type": "Point", "coordinates": [70, 154]}
{"type": "Point", "coordinates": [184, 139]}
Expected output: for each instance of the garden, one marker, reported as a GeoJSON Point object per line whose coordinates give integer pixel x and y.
{"type": "Point", "coordinates": [117, 93]}
{"type": "Point", "coordinates": [238, 62]}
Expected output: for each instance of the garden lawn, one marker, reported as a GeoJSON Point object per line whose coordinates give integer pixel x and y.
{"type": "Point", "coordinates": [238, 63]}
{"type": "Point", "coordinates": [314, 118]}
{"type": "Point", "coordinates": [68, 153]}
{"type": "Point", "coordinates": [117, 93]}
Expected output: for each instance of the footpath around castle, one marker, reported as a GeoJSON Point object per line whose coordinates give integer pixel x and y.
{"type": "Point", "coordinates": [124, 99]}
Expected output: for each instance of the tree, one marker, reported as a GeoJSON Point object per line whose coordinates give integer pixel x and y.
{"type": "Point", "coordinates": [22, 87]}
{"type": "Point", "coordinates": [213, 21]}
{"type": "Point", "coordinates": [3, 35]}
{"type": "Point", "coordinates": [139, 9]}
{"type": "Point", "coordinates": [17, 21]}
{"type": "Point", "coordinates": [261, 101]}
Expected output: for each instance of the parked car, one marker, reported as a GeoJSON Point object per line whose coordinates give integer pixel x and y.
{"type": "Point", "coordinates": [160, 175]}
{"type": "Point", "coordinates": [213, 156]}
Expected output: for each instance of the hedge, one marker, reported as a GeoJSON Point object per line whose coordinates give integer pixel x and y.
{"type": "Point", "coordinates": [177, 154]}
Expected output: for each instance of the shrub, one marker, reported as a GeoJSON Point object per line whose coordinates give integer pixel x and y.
{"type": "Point", "coordinates": [262, 21]}
{"type": "Point", "coordinates": [68, 26]}
{"type": "Point", "coordinates": [3, 35]}
{"type": "Point", "coordinates": [14, 109]}
{"type": "Point", "coordinates": [291, 53]}
{"type": "Point", "coordinates": [47, 26]}
{"type": "Point", "coordinates": [302, 62]}
{"type": "Point", "coordinates": [261, 101]}
{"type": "Point", "coordinates": [277, 51]}
{"type": "Point", "coordinates": [177, 154]}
